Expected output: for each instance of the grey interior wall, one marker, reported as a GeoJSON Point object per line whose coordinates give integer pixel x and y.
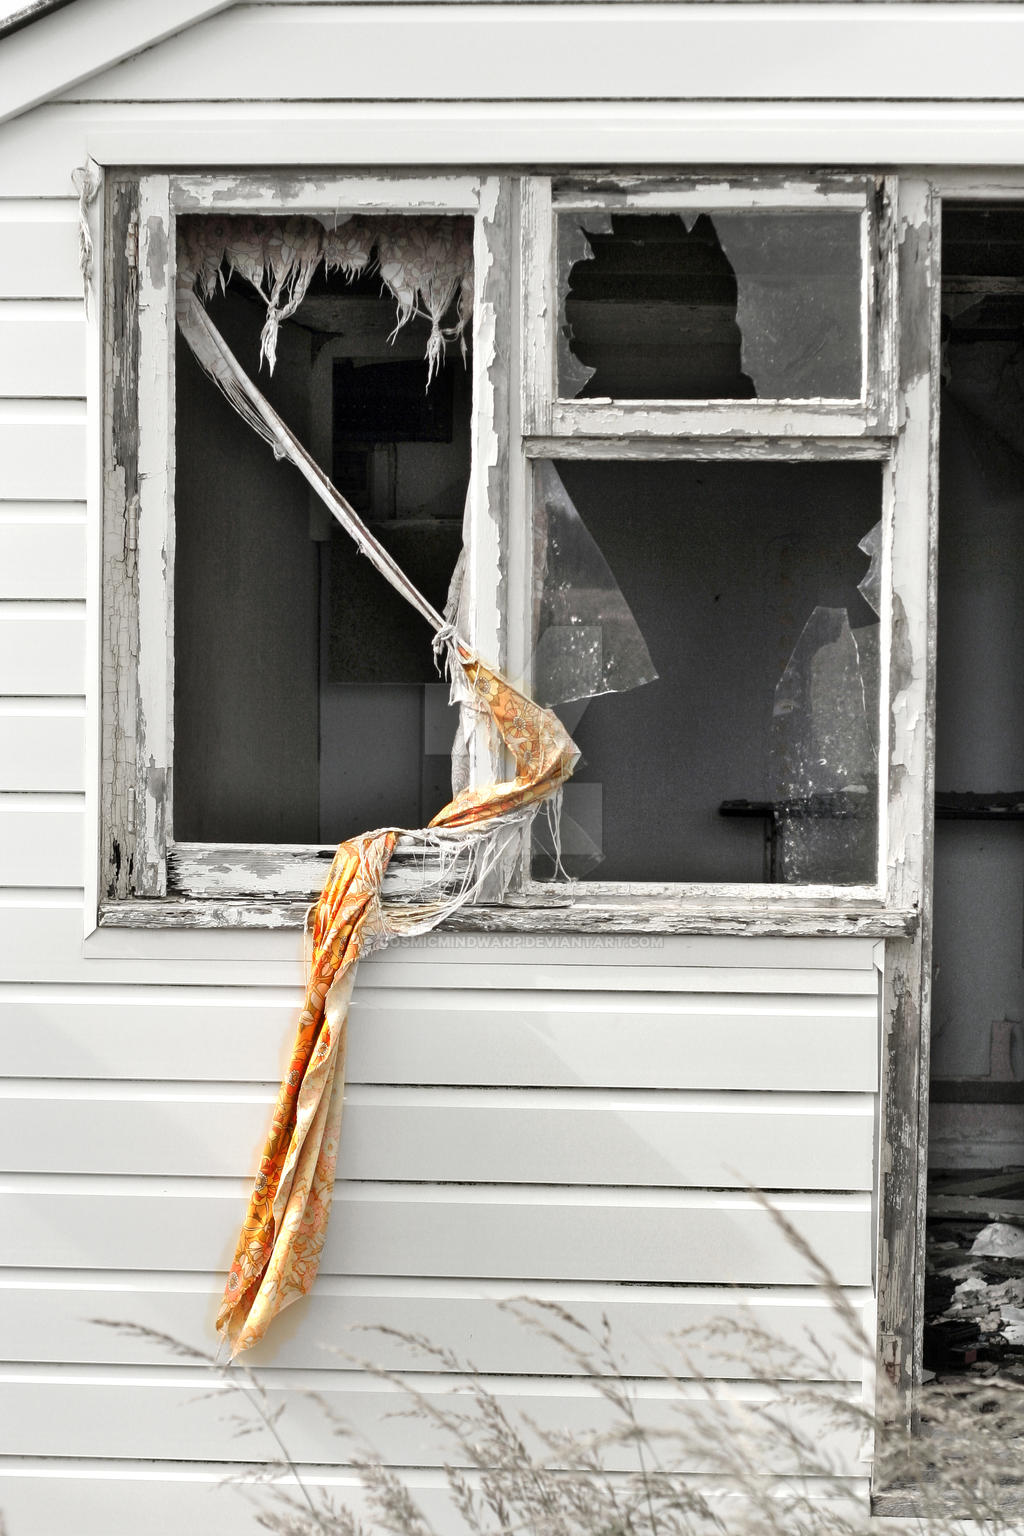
{"type": "Point", "coordinates": [722, 564]}
{"type": "Point", "coordinates": [301, 679]}
{"type": "Point", "coordinates": [979, 867]}
{"type": "Point", "coordinates": [385, 729]}
{"type": "Point", "coordinates": [246, 605]}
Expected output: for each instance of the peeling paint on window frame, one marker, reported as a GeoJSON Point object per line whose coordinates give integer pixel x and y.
{"type": "Point", "coordinates": [146, 879]}
{"type": "Point", "coordinates": [546, 414]}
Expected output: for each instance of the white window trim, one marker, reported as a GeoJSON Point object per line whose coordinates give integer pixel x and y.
{"type": "Point", "coordinates": [151, 877]}
{"type": "Point", "coordinates": [221, 885]}
{"type": "Point", "coordinates": [723, 431]}
{"type": "Point", "coordinates": [547, 414]}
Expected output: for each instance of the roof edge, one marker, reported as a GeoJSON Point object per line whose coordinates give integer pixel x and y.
{"type": "Point", "coordinates": [29, 13]}
{"type": "Point", "coordinates": [51, 45]}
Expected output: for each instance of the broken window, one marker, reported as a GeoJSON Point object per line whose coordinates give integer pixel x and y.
{"type": "Point", "coordinates": [657, 307]}
{"type": "Point", "coordinates": [766, 304]}
{"type": "Point", "coordinates": [704, 621]}
{"type": "Point", "coordinates": [752, 756]}
{"type": "Point", "coordinates": [307, 705]}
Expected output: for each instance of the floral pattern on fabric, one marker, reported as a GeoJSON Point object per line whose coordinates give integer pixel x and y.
{"type": "Point", "coordinates": [282, 1238]}
{"type": "Point", "coordinates": [425, 261]}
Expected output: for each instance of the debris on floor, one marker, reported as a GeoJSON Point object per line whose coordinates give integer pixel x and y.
{"type": "Point", "coordinates": [974, 1281]}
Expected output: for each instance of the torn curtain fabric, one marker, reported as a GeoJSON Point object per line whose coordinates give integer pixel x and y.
{"type": "Point", "coordinates": [425, 263]}
{"type": "Point", "coordinates": [282, 1237]}
{"type": "Point", "coordinates": [424, 260]}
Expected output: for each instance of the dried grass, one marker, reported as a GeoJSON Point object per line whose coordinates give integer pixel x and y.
{"type": "Point", "coordinates": [507, 1474]}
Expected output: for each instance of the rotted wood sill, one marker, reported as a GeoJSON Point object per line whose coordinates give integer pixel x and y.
{"type": "Point", "coordinates": [543, 915]}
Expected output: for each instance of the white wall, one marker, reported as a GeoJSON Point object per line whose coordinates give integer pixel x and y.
{"type": "Point", "coordinates": [522, 1115]}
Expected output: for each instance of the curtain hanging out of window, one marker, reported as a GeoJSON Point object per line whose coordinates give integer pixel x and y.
{"type": "Point", "coordinates": [423, 262]}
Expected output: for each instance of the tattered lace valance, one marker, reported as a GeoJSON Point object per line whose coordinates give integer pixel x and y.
{"type": "Point", "coordinates": [425, 263]}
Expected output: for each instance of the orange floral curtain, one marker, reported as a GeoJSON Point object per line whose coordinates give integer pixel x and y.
{"type": "Point", "coordinates": [282, 1237]}
{"type": "Point", "coordinates": [425, 263]}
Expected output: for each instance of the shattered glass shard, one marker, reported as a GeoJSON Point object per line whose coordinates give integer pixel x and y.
{"type": "Point", "coordinates": [574, 246]}
{"type": "Point", "coordinates": [824, 756]}
{"type": "Point", "coordinates": [870, 587]}
{"type": "Point", "coordinates": [719, 304]}
{"type": "Point", "coordinates": [586, 640]}
{"type": "Point", "coordinates": [799, 299]}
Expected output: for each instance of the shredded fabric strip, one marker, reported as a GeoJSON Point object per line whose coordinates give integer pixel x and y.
{"type": "Point", "coordinates": [424, 263]}
{"type": "Point", "coordinates": [282, 1237]}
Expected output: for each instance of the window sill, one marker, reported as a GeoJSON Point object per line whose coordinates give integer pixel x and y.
{"type": "Point", "coordinates": [547, 914]}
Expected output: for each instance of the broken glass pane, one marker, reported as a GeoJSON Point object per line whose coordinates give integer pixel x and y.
{"type": "Point", "coordinates": [870, 588]}
{"type": "Point", "coordinates": [586, 639]}
{"type": "Point", "coordinates": [824, 756]}
{"type": "Point", "coordinates": [569, 842]}
{"type": "Point", "coordinates": [764, 304]}
{"type": "Point", "coordinates": [722, 564]}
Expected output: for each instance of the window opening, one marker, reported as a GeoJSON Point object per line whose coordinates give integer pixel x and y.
{"type": "Point", "coordinates": [764, 304]}
{"type": "Point", "coordinates": [974, 1286]}
{"type": "Point", "coordinates": [307, 705]}
{"type": "Point", "coordinates": [752, 757]}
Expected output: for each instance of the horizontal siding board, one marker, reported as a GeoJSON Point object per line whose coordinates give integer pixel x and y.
{"type": "Point", "coordinates": [497, 1137]}
{"type": "Point", "coordinates": [36, 151]}
{"type": "Point", "coordinates": [41, 656]}
{"type": "Point", "coordinates": [41, 1321]}
{"type": "Point", "coordinates": [93, 1500]}
{"type": "Point", "coordinates": [97, 1412]}
{"type": "Point", "coordinates": [42, 353]}
{"type": "Point", "coordinates": [41, 847]}
{"type": "Point", "coordinates": [448, 1036]}
{"type": "Point", "coordinates": [584, 51]}
{"type": "Point", "coordinates": [42, 752]}
{"type": "Point", "coordinates": [42, 559]}
{"type": "Point", "coordinates": [41, 941]}
{"type": "Point", "coordinates": [42, 460]}
{"type": "Point", "coordinates": [445, 1036]}
{"type": "Point", "coordinates": [39, 250]}
{"type": "Point", "coordinates": [413, 971]}
{"type": "Point", "coordinates": [484, 1231]}
{"type": "Point", "coordinates": [102, 1498]}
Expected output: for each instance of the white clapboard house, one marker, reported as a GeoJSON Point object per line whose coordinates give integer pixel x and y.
{"type": "Point", "coordinates": [728, 259]}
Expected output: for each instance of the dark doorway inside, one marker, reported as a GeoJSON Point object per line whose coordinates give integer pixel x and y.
{"type": "Point", "coordinates": [974, 1300]}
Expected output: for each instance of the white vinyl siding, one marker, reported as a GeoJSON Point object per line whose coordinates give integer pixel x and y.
{"type": "Point", "coordinates": [514, 1123]}
{"type": "Point", "coordinates": [570, 1117]}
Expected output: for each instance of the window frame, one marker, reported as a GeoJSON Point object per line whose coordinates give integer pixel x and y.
{"type": "Point", "coordinates": [147, 876]}
{"type": "Point", "coordinates": [555, 429]}
{"type": "Point", "coordinates": [906, 996]}
{"type": "Point", "coordinates": [149, 879]}
{"type": "Point", "coordinates": [546, 413]}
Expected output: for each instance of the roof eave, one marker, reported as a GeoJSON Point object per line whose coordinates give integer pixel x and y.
{"type": "Point", "coordinates": [54, 45]}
